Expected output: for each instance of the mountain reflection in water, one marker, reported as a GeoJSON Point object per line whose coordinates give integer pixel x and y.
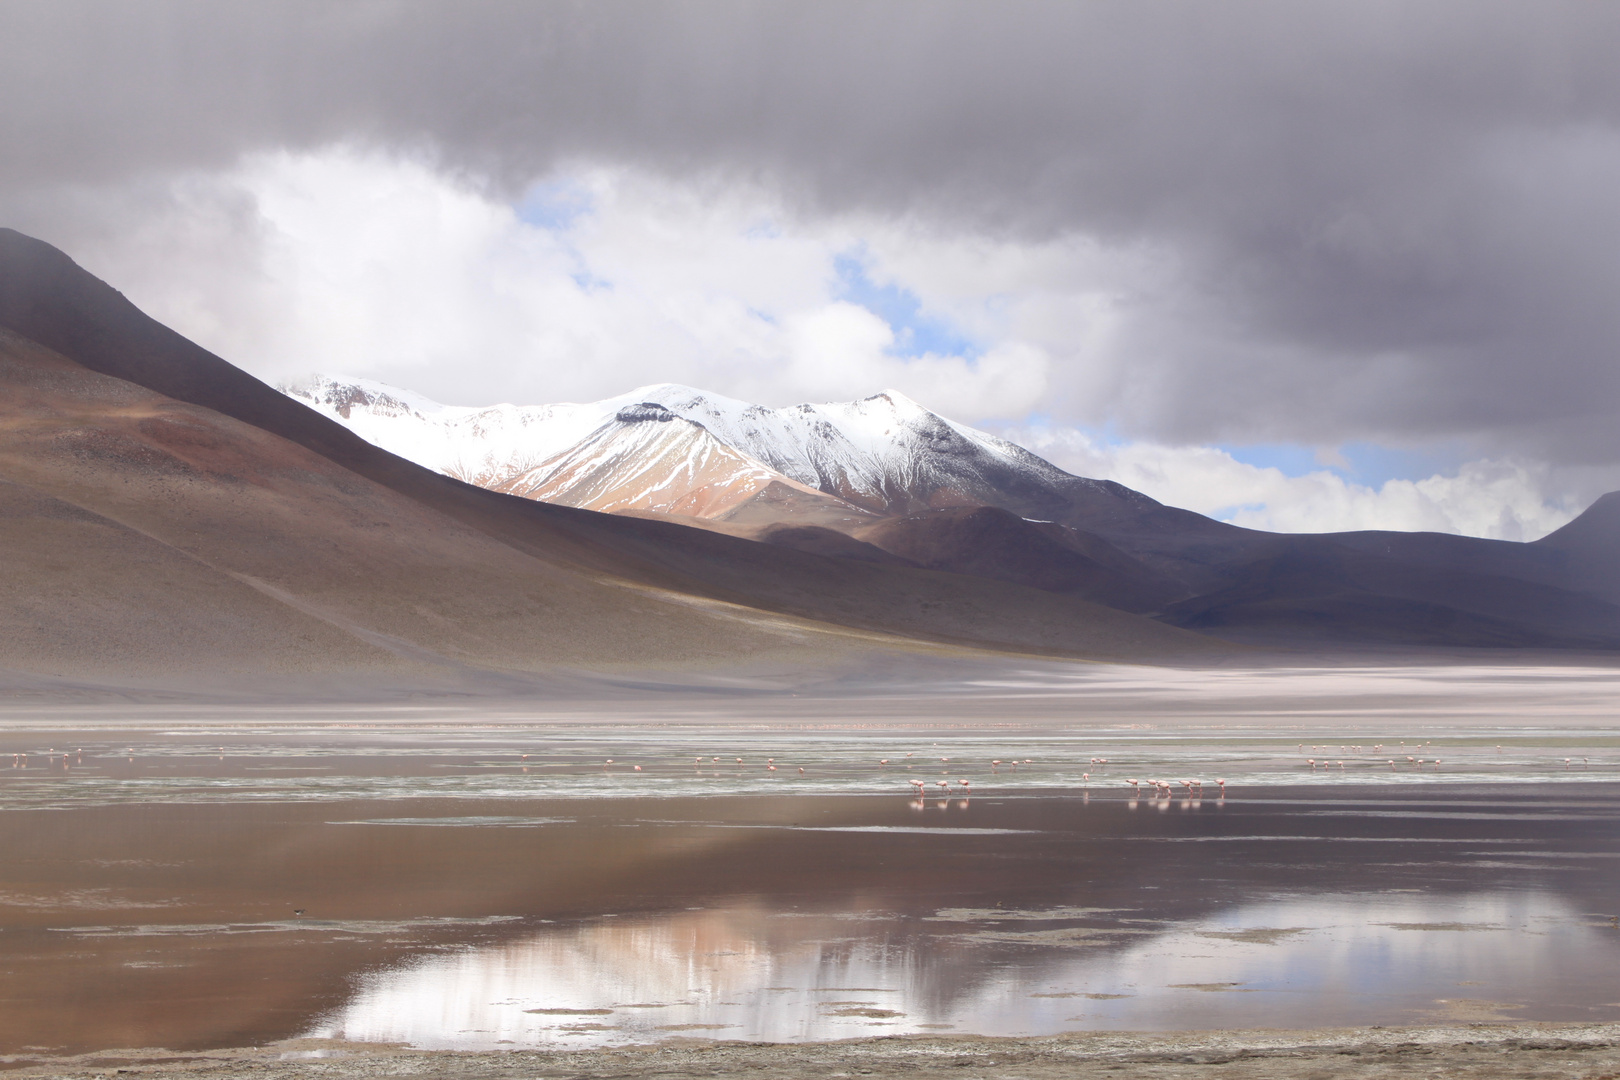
{"type": "Point", "coordinates": [751, 973]}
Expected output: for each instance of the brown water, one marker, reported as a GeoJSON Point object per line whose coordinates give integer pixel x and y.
{"type": "Point", "coordinates": [457, 921]}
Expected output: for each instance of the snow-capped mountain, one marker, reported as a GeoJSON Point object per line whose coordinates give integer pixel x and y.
{"type": "Point", "coordinates": [882, 455]}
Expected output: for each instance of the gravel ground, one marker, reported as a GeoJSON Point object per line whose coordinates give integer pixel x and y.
{"type": "Point", "coordinates": [1517, 1051]}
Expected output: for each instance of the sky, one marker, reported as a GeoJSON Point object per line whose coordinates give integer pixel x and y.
{"type": "Point", "coordinates": [1300, 265]}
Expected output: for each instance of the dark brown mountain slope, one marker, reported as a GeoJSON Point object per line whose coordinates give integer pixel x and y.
{"type": "Point", "coordinates": [1588, 549]}
{"type": "Point", "coordinates": [1309, 588]}
{"type": "Point", "coordinates": [986, 541]}
{"type": "Point", "coordinates": [144, 535]}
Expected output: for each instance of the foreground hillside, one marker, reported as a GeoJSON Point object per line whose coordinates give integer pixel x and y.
{"type": "Point", "coordinates": [165, 512]}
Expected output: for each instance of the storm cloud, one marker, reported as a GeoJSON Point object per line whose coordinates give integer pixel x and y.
{"type": "Point", "coordinates": [1320, 223]}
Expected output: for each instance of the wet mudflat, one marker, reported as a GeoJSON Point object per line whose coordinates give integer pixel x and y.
{"type": "Point", "coordinates": [200, 890]}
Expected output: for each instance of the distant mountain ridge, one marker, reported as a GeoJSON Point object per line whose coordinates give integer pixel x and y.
{"type": "Point", "coordinates": [897, 479]}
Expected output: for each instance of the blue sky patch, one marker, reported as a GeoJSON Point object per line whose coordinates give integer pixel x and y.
{"type": "Point", "coordinates": [555, 205]}
{"type": "Point", "coordinates": [1366, 463]}
{"type": "Point", "coordinates": [915, 333]}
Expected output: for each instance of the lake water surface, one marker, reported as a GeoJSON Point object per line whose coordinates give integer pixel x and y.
{"type": "Point", "coordinates": [204, 883]}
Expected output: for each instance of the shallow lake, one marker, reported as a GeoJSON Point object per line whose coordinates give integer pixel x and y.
{"type": "Point", "coordinates": [207, 885]}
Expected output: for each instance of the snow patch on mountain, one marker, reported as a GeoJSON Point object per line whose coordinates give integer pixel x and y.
{"type": "Point", "coordinates": [481, 445]}
{"type": "Point", "coordinates": [647, 458]}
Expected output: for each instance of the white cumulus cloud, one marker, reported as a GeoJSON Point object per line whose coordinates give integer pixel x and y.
{"type": "Point", "coordinates": [1496, 499]}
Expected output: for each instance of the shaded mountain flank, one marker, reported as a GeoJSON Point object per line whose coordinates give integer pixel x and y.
{"type": "Point", "coordinates": [261, 509]}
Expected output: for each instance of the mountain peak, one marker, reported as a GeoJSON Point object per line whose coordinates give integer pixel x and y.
{"type": "Point", "coordinates": [899, 402]}
{"type": "Point", "coordinates": [343, 393]}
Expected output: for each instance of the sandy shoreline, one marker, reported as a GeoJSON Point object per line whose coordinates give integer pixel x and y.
{"type": "Point", "coordinates": [1489, 1050]}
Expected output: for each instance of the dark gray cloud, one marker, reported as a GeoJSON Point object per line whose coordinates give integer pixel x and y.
{"type": "Point", "coordinates": [1388, 220]}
